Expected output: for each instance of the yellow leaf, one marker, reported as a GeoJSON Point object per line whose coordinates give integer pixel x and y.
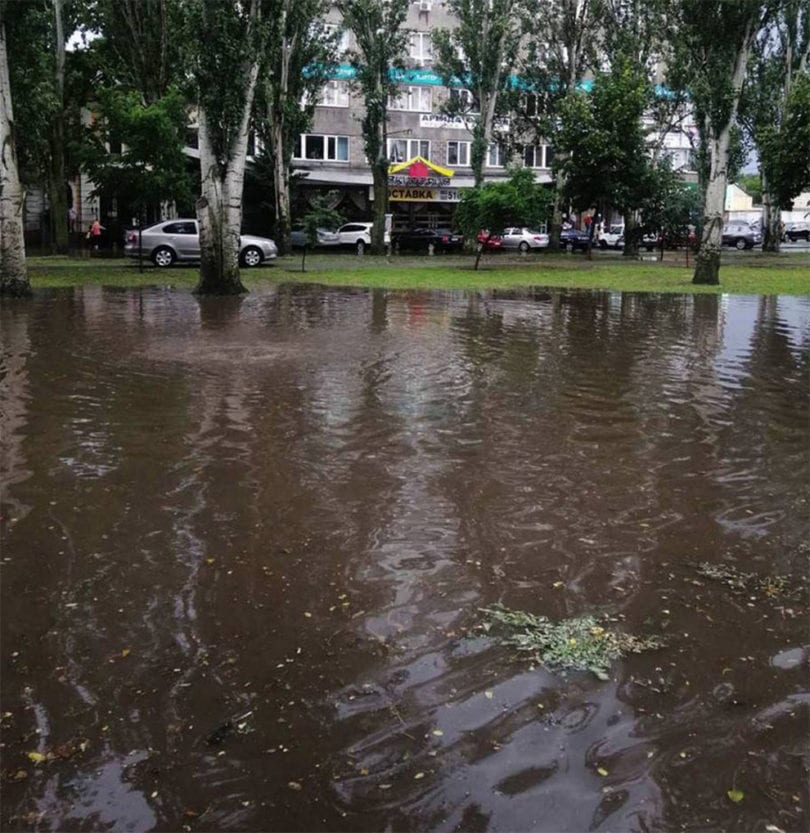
{"type": "Point", "coordinates": [602, 771]}
{"type": "Point", "coordinates": [210, 560]}
{"type": "Point", "coordinates": [126, 652]}
{"type": "Point", "coordinates": [557, 585]}
{"type": "Point", "coordinates": [735, 795]}
{"type": "Point", "coordinates": [364, 772]}
{"type": "Point", "coordinates": [419, 776]}
{"type": "Point", "coordinates": [36, 757]}
{"type": "Point", "coordinates": [572, 641]}
{"type": "Point", "coordinates": [438, 733]}
{"type": "Point", "coordinates": [489, 695]}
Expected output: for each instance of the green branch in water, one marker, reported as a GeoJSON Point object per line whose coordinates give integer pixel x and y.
{"type": "Point", "coordinates": [578, 644]}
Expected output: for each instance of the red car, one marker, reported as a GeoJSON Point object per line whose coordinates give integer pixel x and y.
{"type": "Point", "coordinates": [493, 242]}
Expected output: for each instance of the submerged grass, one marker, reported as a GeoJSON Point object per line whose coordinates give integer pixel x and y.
{"type": "Point", "coordinates": [580, 643]}
{"type": "Point", "coordinates": [787, 274]}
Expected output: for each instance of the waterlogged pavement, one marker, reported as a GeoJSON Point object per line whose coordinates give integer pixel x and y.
{"type": "Point", "coordinates": [245, 544]}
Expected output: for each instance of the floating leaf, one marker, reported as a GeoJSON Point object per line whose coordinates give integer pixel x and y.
{"type": "Point", "coordinates": [489, 694]}
{"type": "Point", "coordinates": [602, 771]}
{"type": "Point", "coordinates": [419, 776]}
{"type": "Point", "coordinates": [294, 785]}
{"type": "Point", "coordinates": [36, 757]}
{"type": "Point", "coordinates": [126, 652]}
{"type": "Point", "coordinates": [438, 733]}
{"type": "Point", "coordinates": [735, 795]}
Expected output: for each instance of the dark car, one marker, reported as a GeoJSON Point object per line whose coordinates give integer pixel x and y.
{"type": "Point", "coordinates": [798, 231]}
{"type": "Point", "coordinates": [741, 236]}
{"type": "Point", "coordinates": [572, 240]}
{"type": "Point", "coordinates": [428, 239]}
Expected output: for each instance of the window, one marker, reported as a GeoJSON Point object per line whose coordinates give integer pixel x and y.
{"type": "Point", "coordinates": [180, 228]}
{"type": "Point", "coordinates": [496, 156]}
{"type": "Point", "coordinates": [401, 150]}
{"type": "Point", "coordinates": [421, 47]}
{"type": "Point", "coordinates": [331, 148]}
{"type": "Point", "coordinates": [334, 94]}
{"type": "Point", "coordinates": [458, 153]}
{"type": "Point", "coordinates": [462, 101]}
{"type": "Point", "coordinates": [416, 99]}
{"type": "Point", "coordinates": [537, 156]}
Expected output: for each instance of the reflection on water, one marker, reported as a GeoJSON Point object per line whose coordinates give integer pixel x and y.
{"type": "Point", "coordinates": [245, 543]}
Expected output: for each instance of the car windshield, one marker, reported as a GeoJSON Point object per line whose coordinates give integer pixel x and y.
{"type": "Point", "coordinates": [616, 229]}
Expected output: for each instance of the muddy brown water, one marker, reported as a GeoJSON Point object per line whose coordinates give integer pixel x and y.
{"type": "Point", "coordinates": [245, 544]}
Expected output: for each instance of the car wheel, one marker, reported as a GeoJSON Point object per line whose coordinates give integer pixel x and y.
{"type": "Point", "coordinates": [740, 244]}
{"type": "Point", "coordinates": [163, 257]}
{"type": "Point", "coordinates": [361, 247]}
{"type": "Point", "coordinates": [523, 247]}
{"type": "Point", "coordinates": [602, 244]}
{"type": "Point", "coordinates": [251, 257]}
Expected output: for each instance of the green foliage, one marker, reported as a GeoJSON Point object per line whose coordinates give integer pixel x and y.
{"type": "Point", "coordinates": [603, 152]}
{"type": "Point", "coordinates": [320, 215]}
{"type": "Point", "coordinates": [151, 167]}
{"type": "Point", "coordinates": [481, 51]}
{"type": "Point", "coordinates": [751, 184]}
{"type": "Point", "coordinates": [579, 644]}
{"type": "Point", "coordinates": [225, 39]}
{"type": "Point", "coordinates": [784, 147]}
{"type": "Point", "coordinates": [518, 201]}
{"type": "Point", "coordinates": [381, 42]}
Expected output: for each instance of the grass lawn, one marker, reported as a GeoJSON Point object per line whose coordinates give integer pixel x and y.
{"type": "Point", "coordinates": [744, 273]}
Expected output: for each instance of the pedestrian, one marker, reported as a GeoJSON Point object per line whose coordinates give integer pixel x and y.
{"type": "Point", "coordinates": [72, 216]}
{"type": "Point", "coordinates": [95, 233]}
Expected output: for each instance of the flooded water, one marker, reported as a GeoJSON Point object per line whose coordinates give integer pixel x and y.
{"type": "Point", "coordinates": [246, 543]}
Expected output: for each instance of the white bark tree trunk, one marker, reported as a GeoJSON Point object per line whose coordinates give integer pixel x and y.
{"type": "Point", "coordinates": [219, 208]}
{"type": "Point", "coordinates": [13, 274]}
{"type": "Point", "coordinates": [707, 260]}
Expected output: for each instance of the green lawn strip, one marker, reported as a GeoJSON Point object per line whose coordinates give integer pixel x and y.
{"type": "Point", "coordinates": [785, 274]}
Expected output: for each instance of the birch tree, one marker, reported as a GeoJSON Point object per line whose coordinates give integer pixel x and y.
{"type": "Point", "coordinates": [13, 274]}
{"type": "Point", "coordinates": [381, 40]}
{"type": "Point", "coordinates": [227, 38]}
{"type": "Point", "coordinates": [300, 53]}
{"type": "Point", "coordinates": [775, 112]}
{"type": "Point", "coordinates": [481, 53]}
{"type": "Point", "coordinates": [715, 40]}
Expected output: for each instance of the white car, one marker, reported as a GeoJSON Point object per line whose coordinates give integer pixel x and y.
{"type": "Point", "coordinates": [610, 239]}
{"type": "Point", "coordinates": [179, 240]}
{"type": "Point", "coordinates": [358, 235]}
{"type": "Point", "coordinates": [524, 239]}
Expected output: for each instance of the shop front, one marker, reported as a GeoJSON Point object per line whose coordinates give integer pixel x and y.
{"type": "Point", "coordinates": [422, 194]}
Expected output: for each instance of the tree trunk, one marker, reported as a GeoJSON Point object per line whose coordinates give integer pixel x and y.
{"type": "Point", "coordinates": [771, 219]}
{"type": "Point", "coordinates": [57, 182]}
{"type": "Point", "coordinates": [13, 274]}
{"type": "Point", "coordinates": [281, 184]}
{"type": "Point", "coordinates": [556, 214]}
{"type": "Point", "coordinates": [380, 175]}
{"type": "Point", "coordinates": [219, 208]}
{"type": "Point", "coordinates": [707, 259]}
{"type": "Point", "coordinates": [278, 132]}
{"type": "Point", "coordinates": [630, 234]}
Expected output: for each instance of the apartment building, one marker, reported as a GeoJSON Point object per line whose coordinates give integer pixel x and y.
{"type": "Point", "coordinates": [332, 154]}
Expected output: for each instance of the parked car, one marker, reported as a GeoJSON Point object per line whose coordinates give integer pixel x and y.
{"type": "Point", "coordinates": [648, 242]}
{"type": "Point", "coordinates": [523, 239]}
{"type": "Point", "coordinates": [298, 237]}
{"type": "Point", "coordinates": [572, 240]}
{"type": "Point", "coordinates": [741, 236]}
{"type": "Point", "coordinates": [179, 240]}
{"type": "Point", "coordinates": [422, 239]}
{"type": "Point", "coordinates": [798, 231]}
{"type": "Point", "coordinates": [677, 240]}
{"type": "Point", "coordinates": [493, 241]}
{"type": "Point", "coordinates": [358, 235]}
{"type": "Point", "coordinates": [610, 239]}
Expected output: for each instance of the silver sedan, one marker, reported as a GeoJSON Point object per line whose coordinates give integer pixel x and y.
{"type": "Point", "coordinates": [179, 240]}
